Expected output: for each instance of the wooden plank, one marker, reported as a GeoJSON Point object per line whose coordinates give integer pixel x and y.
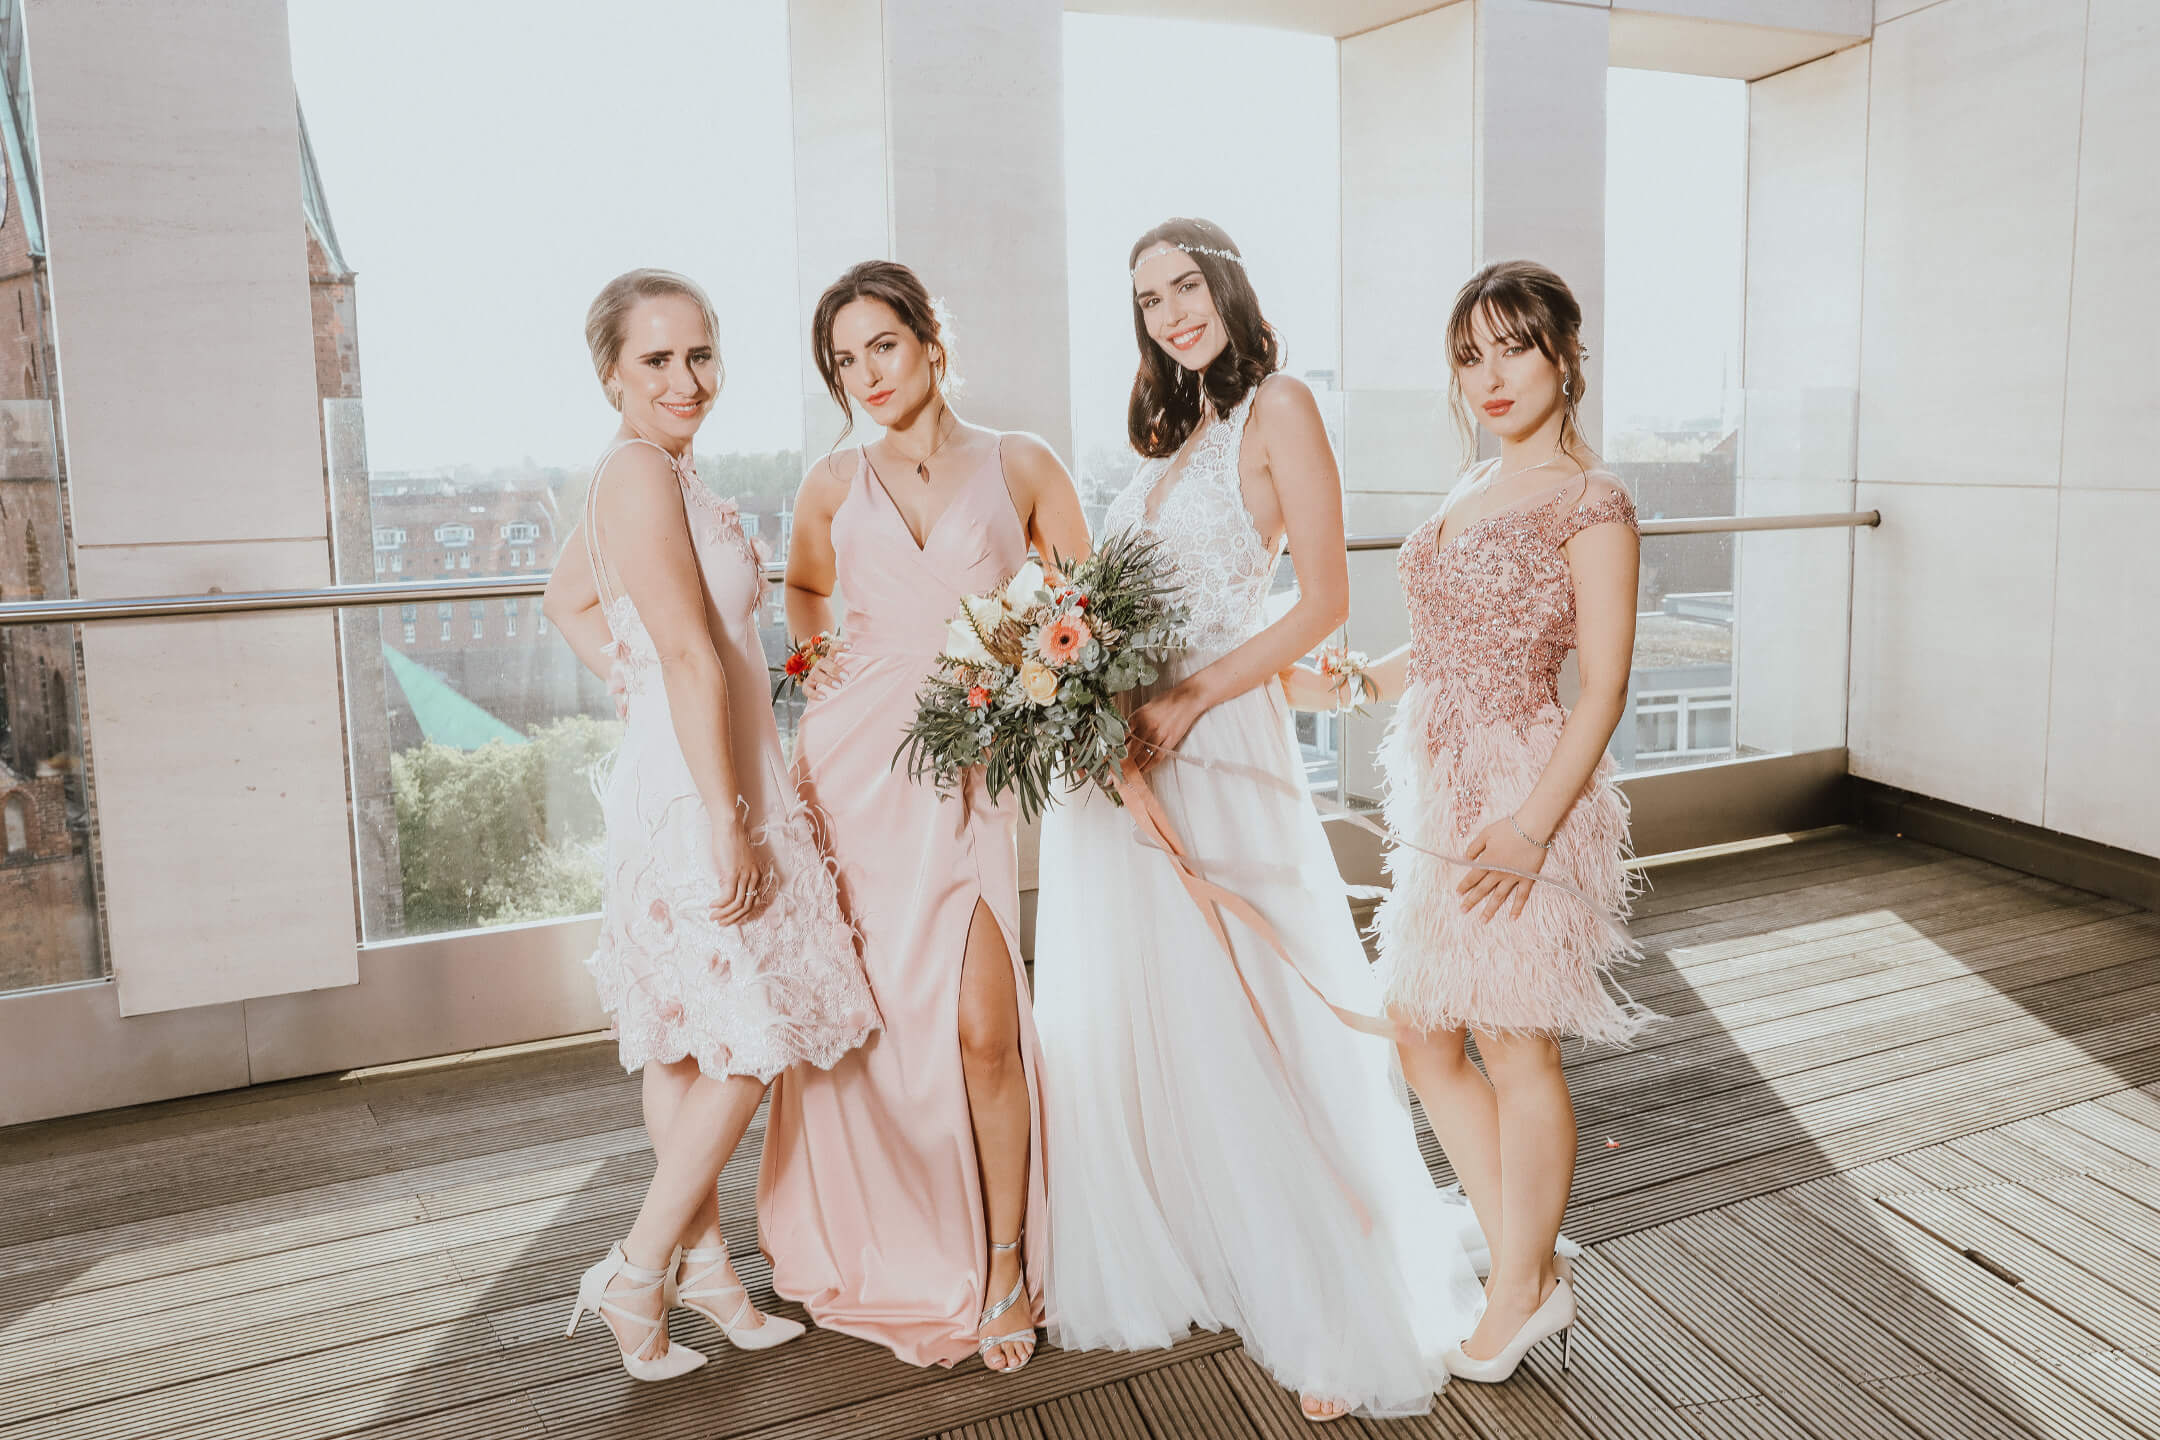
{"type": "Point", "coordinates": [1104, 1413]}
{"type": "Point", "coordinates": [1775, 1359]}
{"type": "Point", "coordinates": [1956, 1220]}
{"type": "Point", "coordinates": [2097, 1229]}
{"type": "Point", "coordinates": [1019, 1425]}
{"type": "Point", "coordinates": [1860, 1349]}
{"type": "Point", "coordinates": [1679, 1368]}
{"type": "Point", "coordinates": [1943, 1307]}
{"type": "Point", "coordinates": [2132, 1140]}
{"type": "Point", "coordinates": [2031, 1081]}
{"type": "Point", "coordinates": [1192, 1399]}
{"type": "Point", "coordinates": [1605, 1395]}
{"type": "Point", "coordinates": [1941, 1408]}
{"type": "Point", "coordinates": [1813, 1091]}
{"type": "Point", "coordinates": [1750, 1418]}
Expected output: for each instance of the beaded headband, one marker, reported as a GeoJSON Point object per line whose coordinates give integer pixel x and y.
{"type": "Point", "coordinates": [1167, 246]}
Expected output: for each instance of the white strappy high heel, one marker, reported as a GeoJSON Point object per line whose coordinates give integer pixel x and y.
{"type": "Point", "coordinates": [640, 1359]}
{"type": "Point", "coordinates": [987, 1343]}
{"type": "Point", "coordinates": [1556, 1316]}
{"type": "Point", "coordinates": [746, 1327]}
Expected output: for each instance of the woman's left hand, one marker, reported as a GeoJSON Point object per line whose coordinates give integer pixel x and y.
{"type": "Point", "coordinates": [1498, 844]}
{"type": "Point", "coordinates": [1160, 726]}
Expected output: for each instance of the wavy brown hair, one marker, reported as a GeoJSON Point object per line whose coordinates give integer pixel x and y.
{"type": "Point", "coordinates": [902, 291]}
{"type": "Point", "coordinates": [1165, 404]}
{"type": "Point", "coordinates": [1524, 301]}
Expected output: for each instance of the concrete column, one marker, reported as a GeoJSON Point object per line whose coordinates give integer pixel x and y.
{"type": "Point", "coordinates": [171, 158]}
{"type": "Point", "coordinates": [931, 132]}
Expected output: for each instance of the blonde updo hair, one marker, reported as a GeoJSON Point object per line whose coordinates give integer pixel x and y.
{"type": "Point", "coordinates": [610, 314]}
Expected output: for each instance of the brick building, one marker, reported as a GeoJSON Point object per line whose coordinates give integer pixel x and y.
{"type": "Point", "coordinates": [496, 653]}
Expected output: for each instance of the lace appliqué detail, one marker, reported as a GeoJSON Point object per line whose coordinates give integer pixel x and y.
{"type": "Point", "coordinates": [784, 987]}
{"type": "Point", "coordinates": [1223, 568]}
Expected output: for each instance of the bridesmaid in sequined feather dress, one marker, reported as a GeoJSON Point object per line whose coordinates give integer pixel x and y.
{"type": "Point", "coordinates": [1533, 554]}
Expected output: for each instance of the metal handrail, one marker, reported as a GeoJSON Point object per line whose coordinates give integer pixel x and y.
{"type": "Point", "coordinates": [337, 597]}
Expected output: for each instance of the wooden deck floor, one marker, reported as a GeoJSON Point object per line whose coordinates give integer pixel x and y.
{"type": "Point", "coordinates": [1891, 1169]}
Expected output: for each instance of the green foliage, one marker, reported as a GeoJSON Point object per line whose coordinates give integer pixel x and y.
{"type": "Point", "coordinates": [502, 833]}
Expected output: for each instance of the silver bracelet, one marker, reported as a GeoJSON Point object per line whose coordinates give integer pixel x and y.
{"type": "Point", "coordinates": [1541, 844]}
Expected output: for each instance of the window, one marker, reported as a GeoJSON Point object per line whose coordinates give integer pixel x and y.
{"type": "Point", "coordinates": [521, 533]}
{"type": "Point", "coordinates": [510, 612]}
{"type": "Point", "coordinates": [378, 562]}
{"type": "Point", "coordinates": [1683, 724]}
{"type": "Point", "coordinates": [408, 614]}
{"type": "Point", "coordinates": [443, 614]}
{"type": "Point", "coordinates": [17, 812]}
{"type": "Point", "coordinates": [453, 535]}
{"type": "Point", "coordinates": [388, 537]}
{"type": "Point", "coordinates": [477, 609]}
{"type": "Point", "coordinates": [464, 560]}
{"type": "Point", "coordinates": [397, 564]}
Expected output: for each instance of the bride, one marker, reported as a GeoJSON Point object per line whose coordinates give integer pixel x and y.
{"type": "Point", "coordinates": [1223, 1157]}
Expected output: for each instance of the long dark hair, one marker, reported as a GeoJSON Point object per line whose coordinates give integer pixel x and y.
{"type": "Point", "coordinates": [1165, 404]}
{"type": "Point", "coordinates": [1521, 300]}
{"type": "Point", "coordinates": [899, 288]}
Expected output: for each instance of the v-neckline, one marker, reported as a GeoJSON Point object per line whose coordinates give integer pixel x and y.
{"type": "Point", "coordinates": [1528, 502]}
{"type": "Point", "coordinates": [922, 545]}
{"type": "Point", "coordinates": [1197, 440]}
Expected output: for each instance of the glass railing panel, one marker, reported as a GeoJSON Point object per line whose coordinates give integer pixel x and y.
{"type": "Point", "coordinates": [478, 744]}
{"type": "Point", "coordinates": [48, 853]}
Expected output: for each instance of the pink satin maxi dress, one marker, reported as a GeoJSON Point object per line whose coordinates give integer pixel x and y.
{"type": "Point", "coordinates": [870, 1202]}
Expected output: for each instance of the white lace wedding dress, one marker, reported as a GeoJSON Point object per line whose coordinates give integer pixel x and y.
{"type": "Point", "coordinates": [1200, 1173]}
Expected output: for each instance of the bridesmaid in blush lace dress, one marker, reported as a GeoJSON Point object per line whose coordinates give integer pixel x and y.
{"type": "Point", "coordinates": [902, 1193]}
{"type": "Point", "coordinates": [723, 955]}
{"type": "Point", "coordinates": [1532, 555]}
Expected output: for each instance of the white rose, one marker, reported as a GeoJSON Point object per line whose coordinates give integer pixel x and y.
{"type": "Point", "coordinates": [1024, 589]}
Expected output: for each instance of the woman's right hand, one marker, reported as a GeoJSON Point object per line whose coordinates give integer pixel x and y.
{"type": "Point", "coordinates": [826, 675]}
{"type": "Point", "coordinates": [741, 874]}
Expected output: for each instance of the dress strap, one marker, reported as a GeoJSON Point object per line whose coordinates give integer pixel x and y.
{"type": "Point", "coordinates": [595, 553]}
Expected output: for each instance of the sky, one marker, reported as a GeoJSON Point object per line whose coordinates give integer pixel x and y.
{"type": "Point", "coordinates": [486, 178]}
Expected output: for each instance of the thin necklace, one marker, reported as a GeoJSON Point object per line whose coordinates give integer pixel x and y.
{"type": "Point", "coordinates": [922, 466]}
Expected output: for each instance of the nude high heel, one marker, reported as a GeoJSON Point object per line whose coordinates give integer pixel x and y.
{"type": "Point", "coordinates": [640, 1359]}
{"type": "Point", "coordinates": [1556, 1316]}
{"type": "Point", "coordinates": [691, 1285]}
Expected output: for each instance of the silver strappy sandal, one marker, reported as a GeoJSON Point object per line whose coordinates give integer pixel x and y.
{"type": "Point", "coordinates": [987, 1343]}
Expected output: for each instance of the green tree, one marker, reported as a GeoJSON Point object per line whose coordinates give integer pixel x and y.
{"type": "Point", "coordinates": [502, 833]}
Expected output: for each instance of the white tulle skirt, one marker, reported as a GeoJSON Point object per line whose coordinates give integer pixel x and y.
{"type": "Point", "coordinates": [1198, 1173]}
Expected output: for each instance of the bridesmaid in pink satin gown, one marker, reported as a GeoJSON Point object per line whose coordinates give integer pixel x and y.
{"type": "Point", "coordinates": [902, 1194]}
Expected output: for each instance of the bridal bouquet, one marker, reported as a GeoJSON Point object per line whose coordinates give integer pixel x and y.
{"type": "Point", "coordinates": [1027, 683]}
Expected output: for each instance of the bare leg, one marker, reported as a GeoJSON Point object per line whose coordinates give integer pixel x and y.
{"type": "Point", "coordinates": [998, 1106]}
{"type": "Point", "coordinates": [708, 1122]}
{"type": "Point", "coordinates": [1465, 1119]}
{"type": "Point", "coordinates": [664, 1088]}
{"type": "Point", "coordinates": [1537, 1169]}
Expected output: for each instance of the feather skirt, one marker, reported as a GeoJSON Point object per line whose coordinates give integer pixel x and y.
{"type": "Point", "coordinates": [1548, 971]}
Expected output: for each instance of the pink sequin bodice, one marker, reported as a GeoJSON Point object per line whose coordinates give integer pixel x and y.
{"type": "Point", "coordinates": [1492, 611]}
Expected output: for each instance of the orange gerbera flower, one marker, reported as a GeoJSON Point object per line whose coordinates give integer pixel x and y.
{"type": "Point", "coordinates": [1062, 639]}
